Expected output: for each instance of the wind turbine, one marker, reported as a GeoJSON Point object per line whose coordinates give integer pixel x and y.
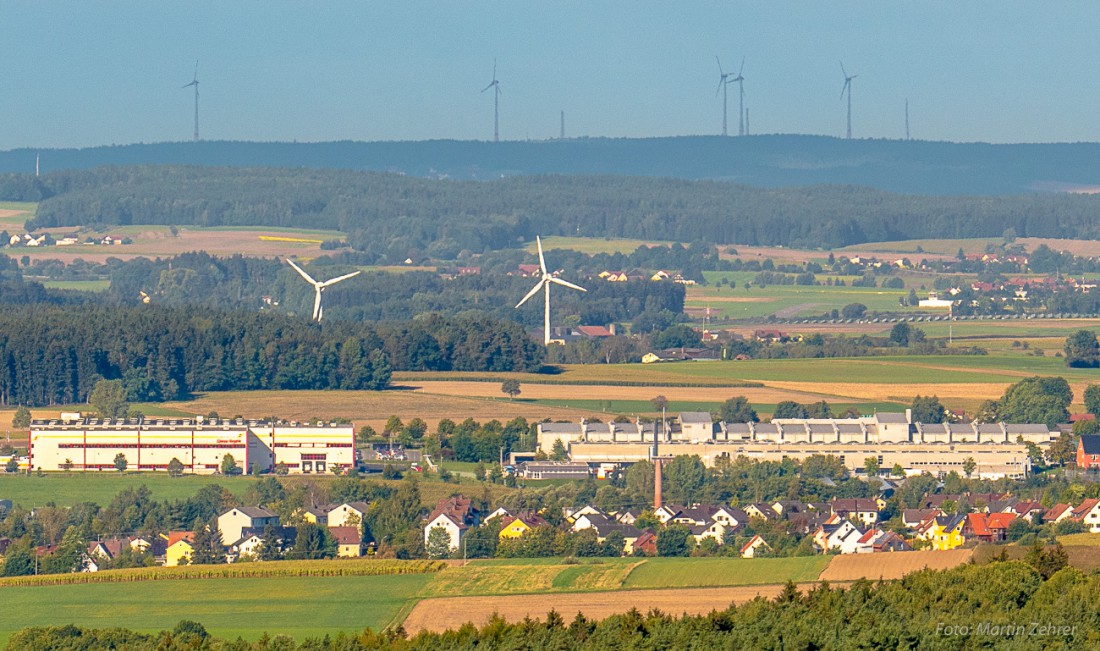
{"type": "Point", "coordinates": [195, 83]}
{"type": "Point", "coordinates": [495, 85]}
{"type": "Point", "coordinates": [319, 287]}
{"type": "Point", "coordinates": [544, 282]}
{"type": "Point", "coordinates": [727, 78]}
{"type": "Point", "coordinates": [847, 87]}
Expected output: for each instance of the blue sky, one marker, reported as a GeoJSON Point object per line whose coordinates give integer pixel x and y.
{"type": "Point", "coordinates": [98, 72]}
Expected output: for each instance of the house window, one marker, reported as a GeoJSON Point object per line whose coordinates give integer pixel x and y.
{"type": "Point", "coordinates": [320, 466]}
{"type": "Point", "coordinates": [307, 466]}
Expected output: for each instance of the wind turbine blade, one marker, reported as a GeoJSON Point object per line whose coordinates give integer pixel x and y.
{"type": "Point", "coordinates": [333, 281]}
{"type": "Point", "coordinates": [303, 274]}
{"type": "Point", "coordinates": [566, 283]}
{"type": "Point", "coordinates": [845, 72]}
{"type": "Point", "coordinates": [542, 260]}
{"type": "Point", "coordinates": [720, 70]}
{"type": "Point", "coordinates": [742, 67]}
{"type": "Point", "coordinates": [844, 87]}
{"type": "Point", "coordinates": [316, 303]}
{"type": "Point", "coordinates": [534, 290]}
{"type": "Point", "coordinates": [719, 89]}
{"type": "Point", "coordinates": [487, 87]}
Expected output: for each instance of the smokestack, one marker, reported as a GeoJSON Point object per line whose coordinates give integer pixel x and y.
{"type": "Point", "coordinates": [656, 484]}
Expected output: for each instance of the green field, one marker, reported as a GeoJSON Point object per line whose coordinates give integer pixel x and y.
{"type": "Point", "coordinates": [787, 301]}
{"type": "Point", "coordinates": [67, 489]}
{"type": "Point", "coordinates": [592, 245]}
{"type": "Point", "coordinates": [705, 572]}
{"type": "Point", "coordinates": [80, 285]}
{"type": "Point", "coordinates": [314, 606]}
{"type": "Point", "coordinates": [295, 606]}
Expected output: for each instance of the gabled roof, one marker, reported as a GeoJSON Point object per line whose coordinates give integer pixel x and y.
{"type": "Point", "coordinates": [254, 512]}
{"type": "Point", "coordinates": [698, 417]}
{"type": "Point", "coordinates": [1090, 443]}
{"type": "Point", "coordinates": [346, 535]}
{"type": "Point", "coordinates": [176, 536]}
{"type": "Point", "coordinates": [532, 519]}
{"type": "Point", "coordinates": [891, 417]}
{"type": "Point", "coordinates": [1056, 511]}
{"type": "Point", "coordinates": [755, 540]}
{"type": "Point", "coordinates": [1084, 507]}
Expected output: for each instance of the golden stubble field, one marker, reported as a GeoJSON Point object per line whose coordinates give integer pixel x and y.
{"type": "Point", "coordinates": [368, 407]}
{"type": "Point", "coordinates": [438, 614]}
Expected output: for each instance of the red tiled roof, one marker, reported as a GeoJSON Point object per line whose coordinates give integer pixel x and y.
{"type": "Point", "coordinates": [346, 535]}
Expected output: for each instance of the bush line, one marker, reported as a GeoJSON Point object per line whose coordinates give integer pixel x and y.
{"type": "Point", "coordinates": [268, 569]}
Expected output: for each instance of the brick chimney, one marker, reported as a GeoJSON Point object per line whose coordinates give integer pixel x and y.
{"type": "Point", "coordinates": [656, 484]}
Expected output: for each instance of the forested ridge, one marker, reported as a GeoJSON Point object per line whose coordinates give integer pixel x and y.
{"type": "Point", "coordinates": [911, 166]}
{"type": "Point", "coordinates": [55, 354]}
{"type": "Point", "coordinates": [394, 216]}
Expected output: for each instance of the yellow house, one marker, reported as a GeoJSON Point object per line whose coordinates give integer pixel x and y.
{"type": "Point", "coordinates": [944, 532]}
{"type": "Point", "coordinates": [349, 541]}
{"type": "Point", "coordinates": [179, 548]}
{"type": "Point", "coordinates": [516, 526]}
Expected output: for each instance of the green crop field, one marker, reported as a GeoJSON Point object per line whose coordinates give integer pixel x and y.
{"type": "Point", "coordinates": [80, 285]}
{"type": "Point", "coordinates": [646, 406]}
{"type": "Point", "coordinates": [705, 572]}
{"type": "Point", "coordinates": [295, 606]}
{"type": "Point", "coordinates": [788, 301]}
{"type": "Point", "coordinates": [67, 489]}
{"type": "Point", "coordinates": [592, 245]}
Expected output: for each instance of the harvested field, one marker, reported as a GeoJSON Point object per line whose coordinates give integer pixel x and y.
{"type": "Point", "coordinates": [502, 578]}
{"type": "Point", "coordinates": [367, 407]}
{"type": "Point", "coordinates": [895, 392]}
{"type": "Point", "coordinates": [449, 612]}
{"type": "Point", "coordinates": [1082, 552]}
{"type": "Point", "coordinates": [765, 395]}
{"type": "Point", "coordinates": [891, 566]}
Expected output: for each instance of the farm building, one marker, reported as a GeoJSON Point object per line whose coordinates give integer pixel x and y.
{"type": "Point", "coordinates": [199, 444]}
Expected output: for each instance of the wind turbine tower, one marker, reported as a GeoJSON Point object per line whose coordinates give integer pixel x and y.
{"type": "Point", "coordinates": [847, 87]}
{"type": "Point", "coordinates": [544, 283]}
{"type": "Point", "coordinates": [195, 83]}
{"type": "Point", "coordinates": [495, 85]}
{"type": "Point", "coordinates": [724, 79]}
{"type": "Point", "coordinates": [318, 287]}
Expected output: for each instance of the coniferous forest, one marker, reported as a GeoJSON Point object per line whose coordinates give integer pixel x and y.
{"type": "Point", "coordinates": [391, 216]}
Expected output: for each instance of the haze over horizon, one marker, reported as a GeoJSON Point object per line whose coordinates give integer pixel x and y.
{"type": "Point", "coordinates": [103, 73]}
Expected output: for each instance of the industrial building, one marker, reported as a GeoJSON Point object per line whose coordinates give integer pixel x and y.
{"type": "Point", "coordinates": [92, 444]}
{"type": "Point", "coordinates": [998, 449]}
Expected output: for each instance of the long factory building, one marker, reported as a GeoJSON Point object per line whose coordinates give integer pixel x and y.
{"type": "Point", "coordinates": [998, 449]}
{"type": "Point", "coordinates": [91, 444]}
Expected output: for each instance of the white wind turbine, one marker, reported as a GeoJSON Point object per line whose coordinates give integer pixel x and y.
{"type": "Point", "coordinates": [319, 287]}
{"type": "Point", "coordinates": [545, 282]}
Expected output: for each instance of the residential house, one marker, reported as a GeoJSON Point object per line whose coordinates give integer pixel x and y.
{"type": "Point", "coordinates": [349, 541]}
{"type": "Point", "coordinates": [645, 545]}
{"type": "Point", "coordinates": [348, 514]}
{"type": "Point", "coordinates": [233, 521]}
{"type": "Point", "coordinates": [862, 510]}
{"type": "Point", "coordinates": [604, 526]}
{"type": "Point", "coordinates": [455, 515]}
{"type": "Point", "coordinates": [178, 548]}
{"type": "Point", "coordinates": [713, 530]}
{"type": "Point", "coordinates": [499, 513]}
{"type": "Point", "coordinates": [943, 531]}
{"type": "Point", "coordinates": [839, 534]}
{"type": "Point", "coordinates": [252, 539]}
{"type": "Point", "coordinates": [1088, 452]}
{"type": "Point", "coordinates": [755, 546]}
{"type": "Point", "coordinates": [988, 527]}
{"type": "Point", "coordinates": [888, 541]}
{"type": "Point", "coordinates": [1058, 512]}
{"type": "Point", "coordinates": [912, 518]}
{"type": "Point", "coordinates": [515, 526]}
{"type": "Point", "coordinates": [760, 511]}
{"type": "Point", "coordinates": [315, 514]}
{"type": "Point", "coordinates": [1028, 510]}
{"type": "Point", "coordinates": [1088, 514]}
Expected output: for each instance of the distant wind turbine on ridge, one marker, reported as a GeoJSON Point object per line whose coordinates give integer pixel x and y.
{"type": "Point", "coordinates": [318, 287]}
{"type": "Point", "coordinates": [847, 87]}
{"type": "Point", "coordinates": [545, 281]}
{"type": "Point", "coordinates": [724, 79]}
{"type": "Point", "coordinates": [495, 85]}
{"type": "Point", "coordinates": [195, 83]}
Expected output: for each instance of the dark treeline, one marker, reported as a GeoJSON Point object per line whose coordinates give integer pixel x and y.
{"type": "Point", "coordinates": [55, 355]}
{"type": "Point", "coordinates": [202, 279]}
{"type": "Point", "coordinates": [393, 217]}
{"type": "Point", "coordinates": [1028, 604]}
